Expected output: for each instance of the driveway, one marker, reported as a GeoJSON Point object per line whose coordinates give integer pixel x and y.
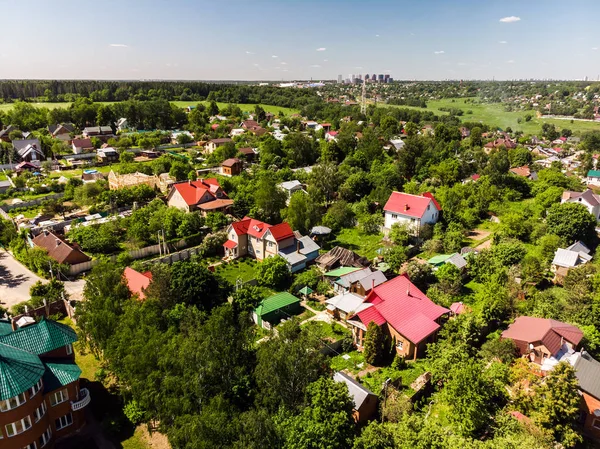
{"type": "Point", "coordinates": [15, 281]}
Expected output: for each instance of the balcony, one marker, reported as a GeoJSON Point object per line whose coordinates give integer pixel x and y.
{"type": "Point", "coordinates": [84, 400]}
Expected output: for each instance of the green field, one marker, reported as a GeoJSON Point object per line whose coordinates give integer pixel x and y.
{"type": "Point", "coordinates": [495, 115]}
{"type": "Point", "coordinates": [182, 104]}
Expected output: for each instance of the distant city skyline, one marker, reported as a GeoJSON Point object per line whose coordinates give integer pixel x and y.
{"type": "Point", "coordinates": [300, 40]}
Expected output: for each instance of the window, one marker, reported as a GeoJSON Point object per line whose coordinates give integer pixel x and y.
{"type": "Point", "coordinates": [33, 390]}
{"type": "Point", "coordinates": [394, 216]}
{"type": "Point", "coordinates": [31, 446]}
{"type": "Point", "coordinates": [400, 345]}
{"type": "Point", "coordinates": [69, 349]}
{"type": "Point", "coordinates": [18, 427]}
{"type": "Point", "coordinates": [45, 437]}
{"type": "Point", "coordinates": [11, 403]}
{"type": "Point", "coordinates": [1, 434]}
{"type": "Point", "coordinates": [596, 424]}
{"type": "Point", "coordinates": [39, 412]}
{"type": "Point", "coordinates": [428, 206]}
{"type": "Point", "coordinates": [271, 244]}
{"type": "Point", "coordinates": [64, 421]}
{"type": "Point", "coordinates": [58, 397]}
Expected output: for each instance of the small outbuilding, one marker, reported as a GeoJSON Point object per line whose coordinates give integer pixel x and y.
{"type": "Point", "coordinates": [365, 401]}
{"type": "Point", "coordinates": [273, 309]}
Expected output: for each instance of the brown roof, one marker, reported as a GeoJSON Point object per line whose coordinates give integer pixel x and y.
{"type": "Point", "coordinates": [221, 140]}
{"type": "Point", "coordinates": [339, 256]}
{"type": "Point", "coordinates": [83, 143]}
{"type": "Point", "coordinates": [231, 162]}
{"type": "Point", "coordinates": [216, 204]}
{"type": "Point", "coordinates": [521, 171]}
{"type": "Point", "coordinates": [550, 333]}
{"type": "Point", "coordinates": [247, 151]}
{"type": "Point", "coordinates": [58, 249]}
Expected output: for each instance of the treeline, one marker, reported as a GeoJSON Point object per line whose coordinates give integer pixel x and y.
{"type": "Point", "coordinates": [69, 90]}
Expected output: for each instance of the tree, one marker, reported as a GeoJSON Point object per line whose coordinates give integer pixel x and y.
{"type": "Point", "coordinates": [273, 272]}
{"type": "Point", "coordinates": [556, 404]}
{"type": "Point", "coordinates": [420, 274]}
{"type": "Point", "coordinates": [269, 200]}
{"type": "Point", "coordinates": [126, 157]}
{"type": "Point", "coordinates": [376, 346]}
{"type": "Point", "coordinates": [215, 220]}
{"type": "Point", "coordinates": [370, 223]}
{"type": "Point", "coordinates": [572, 222]}
{"type": "Point", "coordinates": [247, 298]}
{"type": "Point", "coordinates": [400, 234]}
{"type": "Point", "coordinates": [338, 216]}
{"type": "Point", "coordinates": [395, 256]}
{"type": "Point", "coordinates": [326, 423]}
{"type": "Point", "coordinates": [196, 285]}
{"type": "Point", "coordinates": [179, 170]}
{"type": "Point", "coordinates": [450, 279]}
{"type": "Point", "coordinates": [213, 108]}
{"type": "Point", "coordinates": [302, 213]}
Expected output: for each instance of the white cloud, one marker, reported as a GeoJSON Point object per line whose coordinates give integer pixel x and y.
{"type": "Point", "coordinates": [358, 67]}
{"type": "Point", "coordinates": [510, 61]}
{"type": "Point", "coordinates": [321, 49]}
{"type": "Point", "coordinates": [594, 48]}
{"type": "Point", "coordinates": [441, 52]}
{"type": "Point", "coordinates": [255, 65]}
{"type": "Point", "coordinates": [315, 66]}
{"type": "Point", "coordinates": [274, 56]}
{"type": "Point", "coordinates": [377, 35]}
{"type": "Point", "coordinates": [283, 63]}
{"type": "Point", "coordinates": [502, 42]}
{"type": "Point", "coordinates": [249, 52]}
{"type": "Point", "coordinates": [325, 60]}
{"type": "Point", "coordinates": [510, 19]}
{"type": "Point", "coordinates": [118, 45]}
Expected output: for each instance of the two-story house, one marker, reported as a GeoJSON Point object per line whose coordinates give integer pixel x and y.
{"type": "Point", "coordinates": [588, 199]}
{"type": "Point", "coordinates": [250, 237]}
{"type": "Point", "coordinates": [40, 397]}
{"type": "Point", "coordinates": [205, 195]}
{"type": "Point", "coordinates": [213, 144]}
{"type": "Point", "coordinates": [414, 210]}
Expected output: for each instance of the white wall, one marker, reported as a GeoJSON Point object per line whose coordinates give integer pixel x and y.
{"type": "Point", "coordinates": [430, 216]}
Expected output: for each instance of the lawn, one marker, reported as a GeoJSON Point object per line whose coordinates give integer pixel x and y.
{"type": "Point", "coordinates": [333, 331]}
{"type": "Point", "coordinates": [243, 269]}
{"type": "Point", "coordinates": [495, 115]}
{"type": "Point", "coordinates": [362, 244]}
{"type": "Point", "coordinates": [353, 361]}
{"type": "Point", "coordinates": [404, 377]}
{"type": "Point", "coordinates": [182, 104]}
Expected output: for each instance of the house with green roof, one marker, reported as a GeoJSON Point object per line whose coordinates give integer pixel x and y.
{"type": "Point", "coordinates": [40, 396]}
{"type": "Point", "coordinates": [275, 308]}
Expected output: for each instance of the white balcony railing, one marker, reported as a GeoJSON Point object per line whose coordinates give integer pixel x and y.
{"type": "Point", "coordinates": [84, 400]}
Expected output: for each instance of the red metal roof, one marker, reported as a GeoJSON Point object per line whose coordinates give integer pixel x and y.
{"type": "Point", "coordinates": [250, 226]}
{"type": "Point", "coordinates": [404, 307]}
{"type": "Point", "coordinates": [193, 191]}
{"type": "Point", "coordinates": [137, 282]}
{"type": "Point", "coordinates": [230, 244]}
{"type": "Point", "coordinates": [430, 195]}
{"type": "Point", "coordinates": [281, 231]}
{"type": "Point", "coordinates": [407, 204]}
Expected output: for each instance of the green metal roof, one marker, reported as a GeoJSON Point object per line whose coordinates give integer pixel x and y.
{"type": "Point", "coordinates": [306, 290]}
{"type": "Point", "coordinates": [594, 174]}
{"type": "Point", "coordinates": [60, 374]}
{"type": "Point", "coordinates": [341, 271]}
{"type": "Point", "coordinates": [5, 327]}
{"type": "Point", "coordinates": [41, 337]}
{"type": "Point", "coordinates": [275, 302]}
{"type": "Point", "coordinates": [439, 259]}
{"type": "Point", "coordinates": [19, 371]}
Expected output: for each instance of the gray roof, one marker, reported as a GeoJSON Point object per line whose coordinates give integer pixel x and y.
{"type": "Point", "coordinates": [7, 130]}
{"type": "Point", "coordinates": [457, 260]}
{"type": "Point", "coordinates": [376, 277]}
{"type": "Point", "coordinates": [292, 257]}
{"type": "Point", "coordinates": [23, 143]}
{"type": "Point", "coordinates": [347, 302]}
{"type": "Point", "coordinates": [320, 230]}
{"type": "Point", "coordinates": [308, 245]}
{"type": "Point", "coordinates": [569, 259]}
{"type": "Point", "coordinates": [350, 278]}
{"type": "Point", "coordinates": [289, 185]}
{"type": "Point", "coordinates": [589, 196]}
{"type": "Point", "coordinates": [358, 392]}
{"type": "Point", "coordinates": [587, 371]}
{"type": "Point", "coordinates": [579, 247]}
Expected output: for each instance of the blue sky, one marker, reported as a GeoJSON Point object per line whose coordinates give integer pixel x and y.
{"type": "Point", "coordinates": [299, 39]}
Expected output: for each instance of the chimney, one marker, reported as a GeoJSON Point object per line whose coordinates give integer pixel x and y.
{"type": "Point", "coordinates": [406, 207]}
{"type": "Point", "coordinates": [46, 232]}
{"type": "Point", "coordinates": [58, 242]}
{"type": "Point", "coordinates": [372, 283]}
{"type": "Point", "coordinates": [189, 181]}
{"type": "Point", "coordinates": [297, 246]}
{"type": "Point", "coordinates": [408, 290]}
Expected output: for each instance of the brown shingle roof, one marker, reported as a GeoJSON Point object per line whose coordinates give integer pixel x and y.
{"type": "Point", "coordinates": [58, 249]}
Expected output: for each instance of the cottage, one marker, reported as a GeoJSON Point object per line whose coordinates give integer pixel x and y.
{"type": "Point", "coordinates": [291, 187]}
{"type": "Point", "coordinates": [58, 249]}
{"type": "Point", "coordinates": [414, 210]}
{"type": "Point", "coordinates": [137, 282]}
{"type": "Point", "coordinates": [299, 255]}
{"type": "Point", "coordinates": [107, 155]}
{"type": "Point", "coordinates": [345, 305]}
{"type": "Point", "coordinates": [360, 282]}
{"type": "Point", "coordinates": [524, 172]}
{"type": "Point", "coordinates": [564, 259]}
{"type": "Point", "coordinates": [83, 145]}
{"type": "Point", "coordinates": [403, 312]}
{"type": "Point", "coordinates": [588, 198]}
{"type": "Point", "coordinates": [232, 167]}
{"type": "Point", "coordinates": [4, 133]}
{"type": "Point", "coordinates": [29, 149]}
{"type": "Point", "coordinates": [543, 341]}
{"type": "Point", "coordinates": [62, 132]}
{"type": "Point", "coordinates": [26, 166]}
{"type": "Point", "coordinates": [365, 401]}
{"type": "Point", "coordinates": [122, 124]}
{"type": "Point", "coordinates": [593, 178]}
{"type": "Point", "coordinates": [205, 195]}
{"type": "Point", "coordinates": [276, 308]}
{"type": "Point", "coordinates": [248, 152]}
{"type": "Point", "coordinates": [587, 370]}
{"type": "Point", "coordinates": [101, 132]}
{"type": "Point", "coordinates": [213, 144]}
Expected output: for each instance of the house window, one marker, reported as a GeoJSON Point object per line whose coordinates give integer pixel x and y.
{"type": "Point", "coordinates": [394, 216]}
{"type": "Point", "coordinates": [59, 397]}
{"type": "Point", "coordinates": [31, 446]}
{"type": "Point", "coordinates": [39, 412]}
{"type": "Point", "coordinates": [69, 349]}
{"type": "Point", "coordinates": [18, 427]}
{"type": "Point", "coordinates": [271, 244]}
{"type": "Point", "coordinates": [400, 345]}
{"type": "Point", "coordinates": [428, 206]}
{"type": "Point", "coordinates": [45, 437]}
{"type": "Point", "coordinates": [11, 403]}
{"type": "Point", "coordinates": [596, 424]}
{"type": "Point", "coordinates": [33, 390]}
{"type": "Point", "coordinates": [63, 421]}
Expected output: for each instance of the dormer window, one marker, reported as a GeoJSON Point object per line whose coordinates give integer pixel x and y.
{"type": "Point", "coordinates": [69, 349]}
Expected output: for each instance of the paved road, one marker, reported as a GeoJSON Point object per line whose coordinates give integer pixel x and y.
{"type": "Point", "coordinates": [15, 281]}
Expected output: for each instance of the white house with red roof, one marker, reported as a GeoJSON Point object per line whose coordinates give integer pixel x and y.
{"type": "Point", "coordinates": [414, 210]}
{"type": "Point", "coordinates": [405, 314]}
{"type": "Point", "coordinates": [205, 195]}
{"type": "Point", "coordinates": [250, 237]}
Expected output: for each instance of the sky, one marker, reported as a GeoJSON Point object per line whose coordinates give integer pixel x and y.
{"type": "Point", "coordinates": [299, 39]}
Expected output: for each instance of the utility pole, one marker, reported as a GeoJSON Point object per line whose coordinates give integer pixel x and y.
{"type": "Point", "coordinates": [363, 100]}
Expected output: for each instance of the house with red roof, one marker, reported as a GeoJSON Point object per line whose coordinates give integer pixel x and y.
{"type": "Point", "coordinates": [137, 282]}
{"type": "Point", "coordinates": [414, 210]}
{"type": "Point", "coordinates": [251, 237]}
{"type": "Point", "coordinates": [405, 314]}
{"type": "Point", "coordinates": [543, 340]}
{"type": "Point", "coordinates": [205, 195]}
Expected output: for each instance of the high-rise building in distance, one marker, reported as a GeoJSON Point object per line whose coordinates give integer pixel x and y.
{"type": "Point", "coordinates": [380, 78]}
{"type": "Point", "coordinates": [374, 77]}
{"type": "Point", "coordinates": [339, 79]}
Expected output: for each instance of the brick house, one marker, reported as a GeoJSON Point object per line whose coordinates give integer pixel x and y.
{"type": "Point", "coordinates": [40, 396]}
{"type": "Point", "coordinates": [404, 313]}
{"type": "Point", "coordinates": [205, 195]}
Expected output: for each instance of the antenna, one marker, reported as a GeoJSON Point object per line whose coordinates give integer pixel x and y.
{"type": "Point", "coordinates": [363, 100]}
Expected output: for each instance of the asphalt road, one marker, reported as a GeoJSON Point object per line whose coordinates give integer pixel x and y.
{"type": "Point", "coordinates": [15, 281]}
